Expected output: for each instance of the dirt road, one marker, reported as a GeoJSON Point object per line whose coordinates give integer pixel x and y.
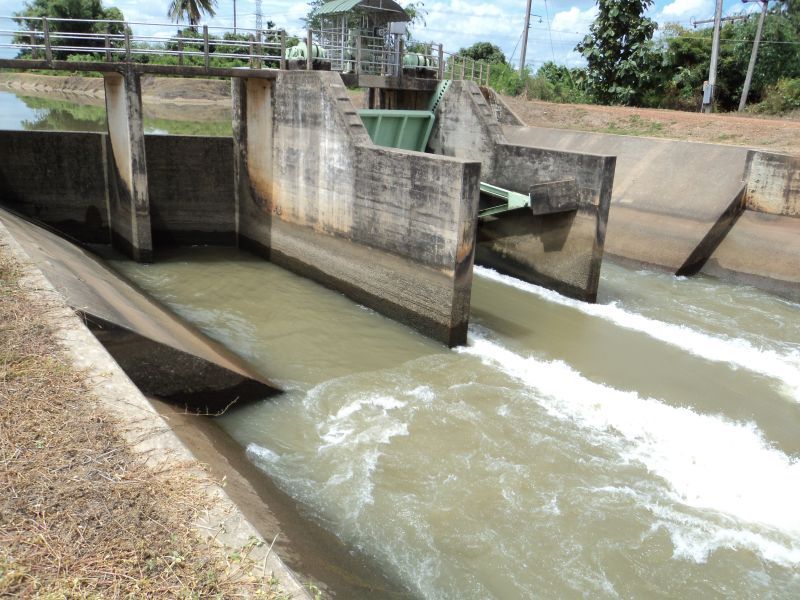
{"type": "Point", "coordinates": [777, 134]}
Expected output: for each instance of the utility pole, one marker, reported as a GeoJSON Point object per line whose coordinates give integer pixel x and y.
{"type": "Point", "coordinates": [753, 55]}
{"type": "Point", "coordinates": [525, 38]}
{"type": "Point", "coordinates": [708, 92]}
{"type": "Point", "coordinates": [234, 17]}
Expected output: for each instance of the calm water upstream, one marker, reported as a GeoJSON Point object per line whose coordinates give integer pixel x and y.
{"type": "Point", "coordinates": [644, 446]}
{"type": "Point", "coordinates": [62, 113]}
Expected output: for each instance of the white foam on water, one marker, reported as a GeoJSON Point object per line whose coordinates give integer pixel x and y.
{"type": "Point", "coordinates": [737, 352]}
{"type": "Point", "coordinates": [255, 452]}
{"type": "Point", "coordinates": [707, 461]}
{"type": "Point", "coordinates": [359, 428]}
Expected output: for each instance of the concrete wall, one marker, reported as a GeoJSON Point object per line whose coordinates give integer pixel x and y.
{"type": "Point", "coordinates": [190, 181]}
{"type": "Point", "coordinates": [722, 210]}
{"type": "Point", "coordinates": [62, 179]}
{"type": "Point", "coordinates": [58, 178]}
{"type": "Point", "coordinates": [762, 248]}
{"type": "Point", "coordinates": [562, 251]}
{"type": "Point", "coordinates": [392, 229]}
{"type": "Point", "coordinates": [667, 195]}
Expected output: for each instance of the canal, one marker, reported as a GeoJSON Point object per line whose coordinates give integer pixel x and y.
{"type": "Point", "coordinates": [644, 446]}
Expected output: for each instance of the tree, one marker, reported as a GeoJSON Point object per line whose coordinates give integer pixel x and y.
{"type": "Point", "coordinates": [484, 51]}
{"type": "Point", "coordinates": [619, 51]}
{"type": "Point", "coordinates": [191, 10]}
{"type": "Point", "coordinates": [81, 10]}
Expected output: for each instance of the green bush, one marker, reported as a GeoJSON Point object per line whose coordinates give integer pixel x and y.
{"type": "Point", "coordinates": [782, 97]}
{"type": "Point", "coordinates": [506, 80]}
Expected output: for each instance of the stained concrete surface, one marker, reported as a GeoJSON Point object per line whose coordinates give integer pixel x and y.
{"type": "Point", "coordinates": [129, 203]}
{"type": "Point", "coordinates": [523, 245]}
{"type": "Point", "coordinates": [315, 195]}
{"type": "Point", "coordinates": [667, 195]}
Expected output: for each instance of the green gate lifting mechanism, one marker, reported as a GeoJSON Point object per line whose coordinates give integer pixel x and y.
{"type": "Point", "coordinates": [403, 129]}
{"type": "Point", "coordinates": [512, 200]}
{"type": "Point", "coordinates": [411, 129]}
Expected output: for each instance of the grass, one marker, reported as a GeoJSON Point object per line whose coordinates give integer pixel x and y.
{"type": "Point", "coordinates": [82, 515]}
{"type": "Point", "coordinates": [634, 125]}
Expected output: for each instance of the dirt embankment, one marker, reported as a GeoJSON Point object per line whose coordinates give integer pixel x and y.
{"type": "Point", "coordinates": [174, 90]}
{"type": "Point", "coordinates": [775, 133]}
{"type": "Point", "coordinates": [81, 513]}
{"type": "Point", "coordinates": [209, 99]}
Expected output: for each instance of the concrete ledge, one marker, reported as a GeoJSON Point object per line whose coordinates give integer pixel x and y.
{"type": "Point", "coordinates": [418, 296]}
{"type": "Point", "coordinates": [140, 68]}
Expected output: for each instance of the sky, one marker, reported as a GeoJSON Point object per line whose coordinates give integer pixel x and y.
{"type": "Point", "coordinates": [558, 25]}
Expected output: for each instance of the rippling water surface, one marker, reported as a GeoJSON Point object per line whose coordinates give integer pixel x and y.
{"type": "Point", "coordinates": [647, 445]}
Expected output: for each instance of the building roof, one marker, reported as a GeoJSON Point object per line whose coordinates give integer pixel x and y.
{"type": "Point", "coordinates": [335, 7]}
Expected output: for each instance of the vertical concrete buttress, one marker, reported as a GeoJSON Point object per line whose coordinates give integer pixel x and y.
{"type": "Point", "coordinates": [252, 160]}
{"type": "Point", "coordinates": [129, 205]}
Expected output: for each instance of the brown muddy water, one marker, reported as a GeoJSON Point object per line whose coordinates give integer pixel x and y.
{"type": "Point", "coordinates": [644, 446]}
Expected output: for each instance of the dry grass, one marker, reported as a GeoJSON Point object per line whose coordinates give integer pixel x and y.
{"type": "Point", "coordinates": [81, 515]}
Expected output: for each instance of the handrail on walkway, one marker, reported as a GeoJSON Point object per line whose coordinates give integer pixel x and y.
{"type": "Point", "coordinates": [49, 41]}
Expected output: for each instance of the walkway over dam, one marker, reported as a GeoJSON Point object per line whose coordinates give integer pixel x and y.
{"type": "Point", "coordinates": [304, 183]}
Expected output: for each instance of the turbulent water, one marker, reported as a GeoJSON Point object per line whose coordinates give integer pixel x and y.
{"type": "Point", "coordinates": [644, 446]}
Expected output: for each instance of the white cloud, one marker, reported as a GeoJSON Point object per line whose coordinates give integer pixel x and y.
{"type": "Point", "coordinates": [574, 20]}
{"type": "Point", "coordinates": [680, 8]}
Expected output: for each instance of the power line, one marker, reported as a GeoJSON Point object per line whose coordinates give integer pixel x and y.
{"type": "Point", "coordinates": [549, 31]}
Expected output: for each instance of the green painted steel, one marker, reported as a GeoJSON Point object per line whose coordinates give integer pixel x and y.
{"type": "Point", "coordinates": [337, 7]}
{"type": "Point", "coordinates": [300, 52]}
{"type": "Point", "coordinates": [403, 129]}
{"type": "Point", "coordinates": [512, 200]}
{"type": "Point", "coordinates": [438, 94]}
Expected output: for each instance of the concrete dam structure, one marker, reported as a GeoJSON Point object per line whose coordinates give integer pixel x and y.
{"type": "Point", "coordinates": [302, 184]}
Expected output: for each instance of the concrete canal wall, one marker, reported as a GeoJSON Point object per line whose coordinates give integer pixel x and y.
{"type": "Point", "coordinates": [62, 179]}
{"type": "Point", "coordinates": [684, 206]}
{"type": "Point", "coordinates": [563, 251]}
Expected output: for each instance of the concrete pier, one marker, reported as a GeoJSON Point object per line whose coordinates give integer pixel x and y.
{"type": "Point", "coordinates": [562, 251]}
{"type": "Point", "coordinates": [689, 207]}
{"type": "Point", "coordinates": [392, 229]}
{"type": "Point", "coordinates": [129, 205]}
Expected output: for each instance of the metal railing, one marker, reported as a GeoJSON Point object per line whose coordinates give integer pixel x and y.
{"type": "Point", "coordinates": [52, 39]}
{"type": "Point", "coordinates": [48, 38]}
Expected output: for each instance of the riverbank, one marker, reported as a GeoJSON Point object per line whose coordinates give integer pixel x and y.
{"type": "Point", "coordinates": [209, 99]}
{"type": "Point", "coordinates": [97, 500]}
